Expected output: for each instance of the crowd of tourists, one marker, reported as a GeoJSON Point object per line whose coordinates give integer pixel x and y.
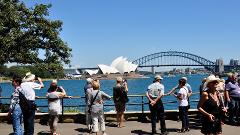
{"type": "Point", "coordinates": [218, 98]}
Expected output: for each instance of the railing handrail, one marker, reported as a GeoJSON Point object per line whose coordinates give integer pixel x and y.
{"type": "Point", "coordinates": [142, 103]}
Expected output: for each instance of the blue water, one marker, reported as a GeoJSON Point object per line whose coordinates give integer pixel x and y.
{"type": "Point", "coordinates": [136, 86]}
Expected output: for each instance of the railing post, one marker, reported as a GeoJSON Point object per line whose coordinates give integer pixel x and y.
{"type": "Point", "coordinates": [62, 106]}
{"type": "Point", "coordinates": [142, 106]}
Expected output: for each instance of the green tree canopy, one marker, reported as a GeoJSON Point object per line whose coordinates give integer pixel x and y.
{"type": "Point", "coordinates": [26, 32]}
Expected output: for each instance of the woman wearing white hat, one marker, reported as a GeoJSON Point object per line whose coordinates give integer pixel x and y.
{"type": "Point", "coordinates": [211, 108]}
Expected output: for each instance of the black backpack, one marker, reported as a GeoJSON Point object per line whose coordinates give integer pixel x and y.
{"type": "Point", "coordinates": [25, 104]}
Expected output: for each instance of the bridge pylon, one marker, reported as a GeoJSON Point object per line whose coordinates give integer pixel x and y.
{"type": "Point", "coordinates": [152, 70]}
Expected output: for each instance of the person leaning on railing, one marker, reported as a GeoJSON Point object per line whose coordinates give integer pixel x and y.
{"type": "Point", "coordinates": [54, 106]}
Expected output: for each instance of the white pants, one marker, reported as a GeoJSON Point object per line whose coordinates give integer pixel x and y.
{"type": "Point", "coordinates": [88, 117]}
{"type": "Point", "coordinates": [98, 117]}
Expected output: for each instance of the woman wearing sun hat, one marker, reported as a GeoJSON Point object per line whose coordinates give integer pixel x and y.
{"type": "Point", "coordinates": [211, 108]}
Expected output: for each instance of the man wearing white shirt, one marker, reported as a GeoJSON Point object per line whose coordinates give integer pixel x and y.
{"type": "Point", "coordinates": [154, 94]}
{"type": "Point", "coordinates": [28, 87]}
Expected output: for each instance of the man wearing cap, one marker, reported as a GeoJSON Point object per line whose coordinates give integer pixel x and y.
{"type": "Point", "coordinates": [28, 87]}
{"type": "Point", "coordinates": [87, 88]}
{"type": "Point", "coordinates": [154, 94]}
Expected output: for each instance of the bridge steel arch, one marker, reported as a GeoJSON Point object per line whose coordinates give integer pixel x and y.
{"type": "Point", "coordinates": [142, 62]}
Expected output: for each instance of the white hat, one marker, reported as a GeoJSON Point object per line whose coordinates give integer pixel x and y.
{"type": "Point", "coordinates": [185, 78]}
{"type": "Point", "coordinates": [158, 77]}
{"type": "Point", "coordinates": [209, 79]}
{"type": "Point", "coordinates": [29, 77]}
{"type": "Point", "coordinates": [54, 81]}
{"type": "Point", "coordinates": [89, 80]}
{"type": "Point", "coordinates": [119, 79]}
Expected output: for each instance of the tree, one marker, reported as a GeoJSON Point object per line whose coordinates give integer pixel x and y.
{"type": "Point", "coordinates": [26, 32]}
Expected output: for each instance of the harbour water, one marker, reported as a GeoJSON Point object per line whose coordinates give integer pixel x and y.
{"type": "Point", "coordinates": [136, 87]}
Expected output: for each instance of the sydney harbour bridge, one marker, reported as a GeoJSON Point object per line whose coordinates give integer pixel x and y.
{"type": "Point", "coordinates": [177, 58]}
{"type": "Point", "coordinates": [174, 58]}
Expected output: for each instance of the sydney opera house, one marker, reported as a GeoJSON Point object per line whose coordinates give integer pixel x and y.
{"type": "Point", "coordinates": [119, 66]}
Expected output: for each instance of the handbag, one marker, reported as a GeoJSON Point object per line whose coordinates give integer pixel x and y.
{"type": "Point", "coordinates": [90, 106]}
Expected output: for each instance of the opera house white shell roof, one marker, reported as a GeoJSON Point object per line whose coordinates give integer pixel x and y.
{"type": "Point", "coordinates": [119, 65]}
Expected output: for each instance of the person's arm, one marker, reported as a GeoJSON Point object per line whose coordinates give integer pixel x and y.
{"type": "Point", "coordinates": [179, 96]}
{"type": "Point", "coordinates": [40, 82]}
{"type": "Point", "coordinates": [189, 90]}
{"type": "Point", "coordinates": [105, 96]}
{"type": "Point", "coordinates": [62, 94]}
{"type": "Point", "coordinates": [38, 85]}
{"type": "Point", "coordinates": [203, 99]}
{"type": "Point", "coordinates": [62, 89]}
{"type": "Point", "coordinates": [172, 90]}
{"type": "Point", "coordinates": [126, 86]}
{"type": "Point", "coordinates": [149, 98]}
{"type": "Point", "coordinates": [227, 96]}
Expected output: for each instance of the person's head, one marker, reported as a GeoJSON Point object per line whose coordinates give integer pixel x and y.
{"type": "Point", "coordinates": [16, 81]}
{"type": "Point", "coordinates": [53, 86]}
{"type": "Point", "coordinates": [29, 77]}
{"type": "Point", "coordinates": [158, 78]}
{"type": "Point", "coordinates": [212, 83]}
{"type": "Point", "coordinates": [232, 76]}
{"type": "Point", "coordinates": [119, 79]}
{"type": "Point", "coordinates": [89, 80]}
{"type": "Point", "coordinates": [184, 78]}
{"type": "Point", "coordinates": [96, 85]}
{"type": "Point", "coordinates": [182, 82]}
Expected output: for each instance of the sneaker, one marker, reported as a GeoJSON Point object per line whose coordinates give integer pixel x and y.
{"type": "Point", "coordinates": [104, 133]}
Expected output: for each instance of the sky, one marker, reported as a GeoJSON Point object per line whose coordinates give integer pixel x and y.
{"type": "Point", "coordinates": [98, 31]}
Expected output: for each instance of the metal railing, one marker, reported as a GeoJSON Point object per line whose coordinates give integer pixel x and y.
{"type": "Point", "coordinates": [141, 102]}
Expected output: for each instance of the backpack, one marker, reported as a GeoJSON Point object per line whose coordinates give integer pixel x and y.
{"type": "Point", "coordinates": [25, 104]}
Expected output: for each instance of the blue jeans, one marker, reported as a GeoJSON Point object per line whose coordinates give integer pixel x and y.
{"type": "Point", "coordinates": [28, 118]}
{"type": "Point", "coordinates": [183, 114]}
{"type": "Point", "coordinates": [17, 120]}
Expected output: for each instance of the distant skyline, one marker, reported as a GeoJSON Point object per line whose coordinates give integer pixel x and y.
{"type": "Point", "coordinates": [98, 31]}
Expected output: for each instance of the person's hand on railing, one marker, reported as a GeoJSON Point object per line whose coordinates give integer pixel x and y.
{"type": "Point", "coordinates": [37, 97]}
{"type": "Point", "coordinates": [68, 96]}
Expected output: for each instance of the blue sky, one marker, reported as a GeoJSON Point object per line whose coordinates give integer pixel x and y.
{"type": "Point", "coordinates": [99, 31]}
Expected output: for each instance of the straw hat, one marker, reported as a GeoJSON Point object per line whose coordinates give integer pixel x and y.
{"type": "Point", "coordinates": [29, 77]}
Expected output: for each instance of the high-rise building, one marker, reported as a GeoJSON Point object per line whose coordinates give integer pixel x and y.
{"type": "Point", "coordinates": [219, 66]}
{"type": "Point", "coordinates": [234, 62]}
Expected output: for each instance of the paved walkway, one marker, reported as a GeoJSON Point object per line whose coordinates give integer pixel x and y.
{"type": "Point", "coordinates": [132, 128]}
